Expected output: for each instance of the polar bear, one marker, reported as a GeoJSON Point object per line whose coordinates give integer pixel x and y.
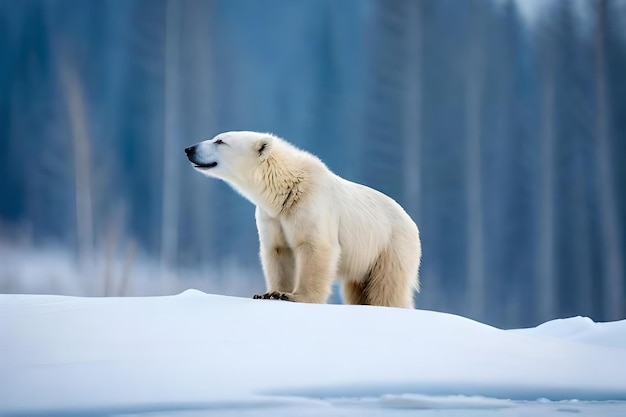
{"type": "Point", "coordinates": [315, 226]}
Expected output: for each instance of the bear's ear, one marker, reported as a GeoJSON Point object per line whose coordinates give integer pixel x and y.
{"type": "Point", "coordinates": [263, 147]}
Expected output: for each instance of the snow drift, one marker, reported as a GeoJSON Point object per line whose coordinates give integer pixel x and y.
{"type": "Point", "coordinates": [197, 351]}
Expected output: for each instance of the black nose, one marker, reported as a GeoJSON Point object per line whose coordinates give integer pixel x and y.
{"type": "Point", "coordinates": [191, 150]}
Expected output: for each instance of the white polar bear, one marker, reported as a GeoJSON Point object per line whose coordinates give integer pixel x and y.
{"type": "Point", "coordinates": [314, 225]}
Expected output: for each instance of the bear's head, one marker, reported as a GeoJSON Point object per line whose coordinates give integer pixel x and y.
{"type": "Point", "coordinates": [236, 158]}
{"type": "Point", "coordinates": [231, 156]}
{"type": "Point", "coordinates": [263, 168]}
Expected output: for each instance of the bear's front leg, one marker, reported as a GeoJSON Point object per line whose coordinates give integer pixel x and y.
{"type": "Point", "coordinates": [277, 258]}
{"type": "Point", "coordinates": [316, 266]}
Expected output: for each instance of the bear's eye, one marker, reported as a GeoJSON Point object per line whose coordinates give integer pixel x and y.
{"type": "Point", "coordinates": [219, 142]}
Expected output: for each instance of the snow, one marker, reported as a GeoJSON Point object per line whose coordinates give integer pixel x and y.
{"type": "Point", "coordinates": [583, 330]}
{"type": "Point", "coordinates": [201, 354]}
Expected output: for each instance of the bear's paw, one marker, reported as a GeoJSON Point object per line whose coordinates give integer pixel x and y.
{"type": "Point", "coordinates": [274, 295]}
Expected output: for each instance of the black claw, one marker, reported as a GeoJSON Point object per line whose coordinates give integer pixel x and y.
{"type": "Point", "coordinates": [274, 295]}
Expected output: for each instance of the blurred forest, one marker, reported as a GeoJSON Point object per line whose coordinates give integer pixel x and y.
{"type": "Point", "coordinates": [499, 125]}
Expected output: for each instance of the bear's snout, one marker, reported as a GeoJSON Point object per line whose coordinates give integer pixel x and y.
{"type": "Point", "coordinates": [192, 154]}
{"type": "Point", "coordinates": [197, 159]}
{"type": "Point", "coordinates": [190, 151]}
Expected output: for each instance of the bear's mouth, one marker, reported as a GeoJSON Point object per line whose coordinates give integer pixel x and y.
{"type": "Point", "coordinates": [205, 166]}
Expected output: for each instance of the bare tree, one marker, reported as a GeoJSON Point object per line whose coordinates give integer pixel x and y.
{"type": "Point", "coordinates": [545, 285]}
{"type": "Point", "coordinates": [170, 203]}
{"type": "Point", "coordinates": [199, 122]}
{"type": "Point", "coordinates": [612, 256]}
{"type": "Point", "coordinates": [82, 164]}
{"type": "Point", "coordinates": [476, 291]}
{"type": "Point", "coordinates": [413, 107]}
{"type": "Point", "coordinates": [582, 239]}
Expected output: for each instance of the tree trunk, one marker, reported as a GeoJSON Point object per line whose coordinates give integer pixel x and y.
{"type": "Point", "coordinates": [413, 108]}
{"type": "Point", "coordinates": [612, 255]}
{"type": "Point", "coordinates": [172, 152]}
{"type": "Point", "coordinates": [82, 169]}
{"type": "Point", "coordinates": [546, 276]}
{"type": "Point", "coordinates": [476, 290]}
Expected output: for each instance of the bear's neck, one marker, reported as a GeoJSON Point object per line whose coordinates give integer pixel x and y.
{"type": "Point", "coordinates": [281, 186]}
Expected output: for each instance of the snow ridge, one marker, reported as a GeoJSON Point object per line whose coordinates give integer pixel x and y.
{"type": "Point", "coordinates": [197, 351]}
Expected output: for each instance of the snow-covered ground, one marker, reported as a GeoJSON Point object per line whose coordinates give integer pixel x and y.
{"type": "Point", "coordinates": [197, 354]}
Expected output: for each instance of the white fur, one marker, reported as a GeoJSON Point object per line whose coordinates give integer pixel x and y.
{"type": "Point", "coordinates": [314, 225]}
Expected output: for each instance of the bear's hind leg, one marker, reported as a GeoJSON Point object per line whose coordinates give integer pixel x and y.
{"type": "Point", "coordinates": [354, 292]}
{"type": "Point", "coordinates": [390, 283]}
